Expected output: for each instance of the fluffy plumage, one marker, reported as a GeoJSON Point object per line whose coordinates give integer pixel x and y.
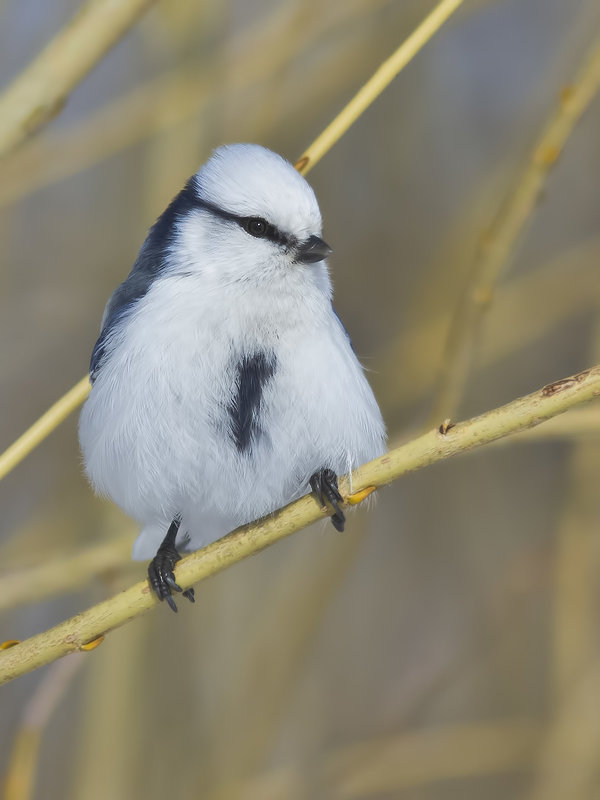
{"type": "Point", "coordinates": [222, 378]}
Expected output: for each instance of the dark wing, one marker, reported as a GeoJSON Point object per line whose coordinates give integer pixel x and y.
{"type": "Point", "coordinates": [152, 261]}
{"type": "Point", "coordinates": [343, 328]}
{"type": "Point", "coordinates": [122, 301]}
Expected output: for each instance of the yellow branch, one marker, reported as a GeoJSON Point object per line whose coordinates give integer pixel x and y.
{"type": "Point", "coordinates": [44, 426]}
{"type": "Point", "coordinates": [39, 93]}
{"type": "Point", "coordinates": [73, 570]}
{"type": "Point", "coordinates": [576, 426]}
{"type": "Point", "coordinates": [376, 84]}
{"type": "Point", "coordinates": [433, 446]}
{"type": "Point", "coordinates": [499, 242]}
{"type": "Point", "coordinates": [69, 402]}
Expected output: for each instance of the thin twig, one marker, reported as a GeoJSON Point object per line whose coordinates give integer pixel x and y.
{"type": "Point", "coordinates": [499, 242]}
{"type": "Point", "coordinates": [427, 449]}
{"type": "Point", "coordinates": [39, 93]}
{"type": "Point", "coordinates": [376, 84]}
{"type": "Point", "coordinates": [43, 427]}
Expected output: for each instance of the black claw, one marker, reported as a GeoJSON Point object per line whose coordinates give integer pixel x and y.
{"type": "Point", "coordinates": [338, 521]}
{"type": "Point", "coordinates": [160, 569]}
{"type": "Point", "coordinates": [325, 487]}
{"type": "Point", "coordinates": [170, 581]}
{"type": "Point", "coordinates": [171, 602]}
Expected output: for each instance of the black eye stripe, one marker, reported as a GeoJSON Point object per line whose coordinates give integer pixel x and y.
{"type": "Point", "coordinates": [272, 233]}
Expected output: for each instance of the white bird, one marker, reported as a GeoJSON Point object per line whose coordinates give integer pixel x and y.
{"type": "Point", "coordinates": [223, 382]}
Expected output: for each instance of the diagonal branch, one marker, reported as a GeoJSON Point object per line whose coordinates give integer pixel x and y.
{"type": "Point", "coordinates": [433, 446]}
{"type": "Point", "coordinates": [39, 93]}
{"type": "Point", "coordinates": [379, 81]}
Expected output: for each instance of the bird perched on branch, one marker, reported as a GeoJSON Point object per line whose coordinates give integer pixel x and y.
{"type": "Point", "coordinates": [223, 382]}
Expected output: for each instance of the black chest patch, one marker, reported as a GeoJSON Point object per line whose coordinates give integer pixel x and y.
{"type": "Point", "coordinates": [252, 375]}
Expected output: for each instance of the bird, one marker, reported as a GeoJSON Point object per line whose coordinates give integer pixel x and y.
{"type": "Point", "coordinates": [223, 383]}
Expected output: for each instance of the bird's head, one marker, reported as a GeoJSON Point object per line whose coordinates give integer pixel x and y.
{"type": "Point", "coordinates": [249, 215]}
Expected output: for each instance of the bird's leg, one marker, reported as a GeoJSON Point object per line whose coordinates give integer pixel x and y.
{"type": "Point", "coordinates": [160, 569]}
{"type": "Point", "coordinates": [325, 488]}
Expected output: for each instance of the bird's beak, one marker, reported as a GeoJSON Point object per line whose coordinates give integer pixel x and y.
{"type": "Point", "coordinates": [312, 250]}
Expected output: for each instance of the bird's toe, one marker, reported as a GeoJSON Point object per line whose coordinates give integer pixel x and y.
{"type": "Point", "coordinates": [325, 488]}
{"type": "Point", "coordinates": [162, 578]}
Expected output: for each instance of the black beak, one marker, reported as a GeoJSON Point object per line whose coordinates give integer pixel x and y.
{"type": "Point", "coordinates": [312, 250]}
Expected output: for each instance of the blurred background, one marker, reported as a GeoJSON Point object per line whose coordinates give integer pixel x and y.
{"type": "Point", "coordinates": [447, 645]}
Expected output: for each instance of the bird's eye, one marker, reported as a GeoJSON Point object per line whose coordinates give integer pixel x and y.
{"type": "Point", "coordinates": [256, 226]}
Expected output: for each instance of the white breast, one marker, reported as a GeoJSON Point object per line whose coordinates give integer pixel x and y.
{"type": "Point", "coordinates": [155, 430]}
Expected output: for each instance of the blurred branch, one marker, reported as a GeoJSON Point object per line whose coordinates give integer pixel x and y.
{"type": "Point", "coordinates": [566, 287]}
{"type": "Point", "coordinates": [383, 766]}
{"type": "Point", "coordinates": [376, 84]}
{"type": "Point", "coordinates": [40, 92]}
{"type": "Point", "coordinates": [20, 774]}
{"type": "Point", "coordinates": [499, 242]}
{"type": "Point", "coordinates": [63, 573]}
{"type": "Point", "coordinates": [44, 426]}
{"type": "Point", "coordinates": [164, 102]}
{"type": "Point", "coordinates": [427, 449]}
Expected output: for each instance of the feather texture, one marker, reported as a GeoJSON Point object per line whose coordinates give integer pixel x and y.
{"type": "Point", "coordinates": [229, 380]}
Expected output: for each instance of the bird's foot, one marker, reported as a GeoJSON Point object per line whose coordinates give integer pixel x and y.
{"type": "Point", "coordinates": [160, 569]}
{"type": "Point", "coordinates": [325, 488]}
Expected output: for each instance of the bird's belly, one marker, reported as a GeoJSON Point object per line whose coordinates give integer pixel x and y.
{"type": "Point", "coordinates": [157, 438]}
{"type": "Point", "coordinates": [324, 413]}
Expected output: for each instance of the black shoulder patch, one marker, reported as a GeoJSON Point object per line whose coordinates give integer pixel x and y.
{"type": "Point", "coordinates": [149, 264]}
{"type": "Point", "coordinates": [97, 354]}
{"type": "Point", "coordinates": [252, 374]}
